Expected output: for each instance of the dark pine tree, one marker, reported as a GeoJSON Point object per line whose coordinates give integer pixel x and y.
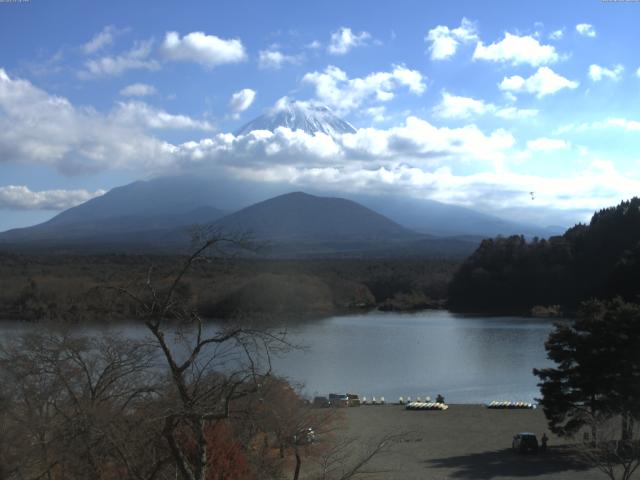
{"type": "Point", "coordinates": [597, 372]}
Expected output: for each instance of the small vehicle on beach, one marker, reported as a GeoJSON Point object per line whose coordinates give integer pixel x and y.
{"type": "Point", "coordinates": [525, 442]}
{"type": "Point", "coordinates": [354, 400]}
{"type": "Point", "coordinates": [305, 437]}
{"type": "Point", "coordinates": [321, 402]}
{"type": "Point", "coordinates": [338, 400]}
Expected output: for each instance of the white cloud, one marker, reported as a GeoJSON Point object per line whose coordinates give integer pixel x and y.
{"type": "Point", "coordinates": [597, 186]}
{"type": "Point", "coordinates": [334, 88]}
{"type": "Point", "coordinates": [274, 59]}
{"type": "Point", "coordinates": [241, 100]}
{"type": "Point", "coordinates": [343, 40]}
{"type": "Point", "coordinates": [20, 197]}
{"type": "Point", "coordinates": [544, 82]}
{"type": "Point", "coordinates": [100, 40]}
{"type": "Point", "coordinates": [557, 34]}
{"type": "Point", "coordinates": [377, 114]}
{"type": "Point", "coordinates": [586, 30]}
{"type": "Point", "coordinates": [452, 106]}
{"type": "Point", "coordinates": [458, 107]}
{"type": "Point", "coordinates": [138, 90]}
{"type": "Point", "coordinates": [443, 42]}
{"type": "Point", "coordinates": [416, 142]}
{"type": "Point", "coordinates": [68, 138]}
{"type": "Point", "coordinates": [597, 73]}
{"type": "Point", "coordinates": [315, 45]}
{"type": "Point", "coordinates": [207, 50]}
{"type": "Point", "coordinates": [513, 113]}
{"type": "Point", "coordinates": [414, 159]}
{"type": "Point", "coordinates": [617, 122]}
{"type": "Point", "coordinates": [517, 50]}
{"type": "Point", "coordinates": [136, 58]}
{"type": "Point", "coordinates": [547, 144]}
{"type": "Point", "coordinates": [142, 114]}
{"type": "Point", "coordinates": [628, 125]}
{"type": "Point", "coordinates": [638, 72]}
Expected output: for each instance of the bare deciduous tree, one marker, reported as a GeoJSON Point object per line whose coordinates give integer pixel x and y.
{"type": "Point", "coordinates": [618, 458]}
{"type": "Point", "coordinates": [346, 459]}
{"type": "Point", "coordinates": [239, 357]}
{"type": "Point", "coordinates": [73, 407]}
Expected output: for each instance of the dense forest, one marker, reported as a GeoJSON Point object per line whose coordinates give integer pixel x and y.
{"type": "Point", "coordinates": [598, 260]}
{"type": "Point", "coordinates": [78, 288]}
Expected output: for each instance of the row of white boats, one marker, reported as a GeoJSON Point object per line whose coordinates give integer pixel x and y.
{"type": "Point", "coordinates": [510, 405]}
{"type": "Point", "coordinates": [426, 406]}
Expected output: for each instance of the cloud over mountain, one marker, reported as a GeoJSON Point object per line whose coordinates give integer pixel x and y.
{"type": "Point", "coordinates": [22, 198]}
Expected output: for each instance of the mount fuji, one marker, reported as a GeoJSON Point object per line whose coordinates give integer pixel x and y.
{"type": "Point", "coordinates": [154, 215]}
{"type": "Point", "coordinates": [312, 118]}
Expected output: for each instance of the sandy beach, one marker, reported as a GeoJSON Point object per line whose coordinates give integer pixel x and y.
{"type": "Point", "coordinates": [464, 442]}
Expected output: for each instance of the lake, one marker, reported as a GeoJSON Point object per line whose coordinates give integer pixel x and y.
{"type": "Point", "coordinates": [468, 359]}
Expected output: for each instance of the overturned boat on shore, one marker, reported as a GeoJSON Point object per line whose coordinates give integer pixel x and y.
{"type": "Point", "coordinates": [498, 405]}
{"type": "Point", "coordinates": [426, 406]}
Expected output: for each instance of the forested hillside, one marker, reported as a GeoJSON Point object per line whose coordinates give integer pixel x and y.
{"type": "Point", "coordinates": [598, 260]}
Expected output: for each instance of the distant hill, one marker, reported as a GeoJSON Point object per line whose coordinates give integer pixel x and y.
{"type": "Point", "coordinates": [302, 217]}
{"type": "Point", "coordinates": [601, 260]}
{"type": "Point", "coordinates": [299, 224]}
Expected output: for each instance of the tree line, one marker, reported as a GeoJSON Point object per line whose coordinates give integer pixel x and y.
{"type": "Point", "coordinates": [596, 260]}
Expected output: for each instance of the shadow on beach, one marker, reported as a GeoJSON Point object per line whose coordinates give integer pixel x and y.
{"type": "Point", "coordinates": [507, 463]}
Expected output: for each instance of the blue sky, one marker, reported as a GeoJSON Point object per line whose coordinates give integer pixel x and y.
{"type": "Point", "coordinates": [473, 103]}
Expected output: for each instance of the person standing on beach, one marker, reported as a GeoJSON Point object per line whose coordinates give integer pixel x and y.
{"type": "Point", "coordinates": [543, 442]}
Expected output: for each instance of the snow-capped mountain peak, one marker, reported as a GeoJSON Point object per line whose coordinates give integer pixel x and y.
{"type": "Point", "coordinates": [309, 117]}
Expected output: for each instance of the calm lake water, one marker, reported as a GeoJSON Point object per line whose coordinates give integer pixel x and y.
{"type": "Point", "coordinates": [466, 359]}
